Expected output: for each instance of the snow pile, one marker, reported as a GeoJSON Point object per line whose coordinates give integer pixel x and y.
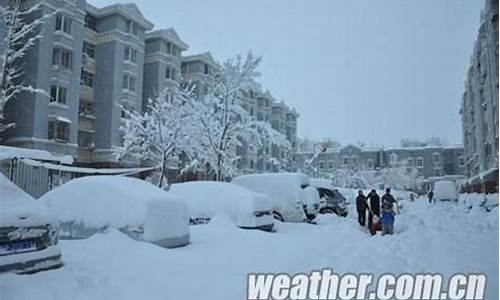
{"type": "Point", "coordinates": [119, 202]}
{"type": "Point", "coordinates": [162, 215]}
{"type": "Point", "coordinates": [8, 152]}
{"type": "Point", "coordinates": [285, 189]}
{"type": "Point", "coordinates": [17, 208]}
{"type": "Point", "coordinates": [208, 198]}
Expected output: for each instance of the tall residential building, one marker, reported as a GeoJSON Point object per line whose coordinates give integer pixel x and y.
{"type": "Point", "coordinates": [197, 70]}
{"type": "Point", "coordinates": [162, 65]}
{"type": "Point", "coordinates": [111, 77]}
{"type": "Point", "coordinates": [479, 105]}
{"type": "Point", "coordinates": [50, 122]}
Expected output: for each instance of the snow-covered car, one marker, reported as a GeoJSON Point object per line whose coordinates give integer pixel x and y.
{"type": "Point", "coordinates": [445, 190]}
{"type": "Point", "coordinates": [88, 205]}
{"type": "Point", "coordinates": [28, 233]}
{"type": "Point", "coordinates": [287, 190]}
{"type": "Point", "coordinates": [205, 199]}
{"type": "Point", "coordinates": [335, 203]}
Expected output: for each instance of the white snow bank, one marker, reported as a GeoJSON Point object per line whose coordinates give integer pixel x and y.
{"type": "Point", "coordinates": [17, 208]}
{"type": "Point", "coordinates": [208, 198]}
{"type": "Point", "coordinates": [285, 189]}
{"type": "Point", "coordinates": [8, 152]}
{"type": "Point", "coordinates": [98, 201]}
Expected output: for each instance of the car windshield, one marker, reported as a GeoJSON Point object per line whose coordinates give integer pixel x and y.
{"type": "Point", "coordinates": [326, 192]}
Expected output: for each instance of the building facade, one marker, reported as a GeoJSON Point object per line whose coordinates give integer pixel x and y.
{"type": "Point", "coordinates": [94, 63]}
{"type": "Point", "coordinates": [479, 106]}
{"type": "Point", "coordinates": [432, 163]}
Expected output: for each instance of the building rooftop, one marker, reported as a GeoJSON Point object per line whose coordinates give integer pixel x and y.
{"type": "Point", "coordinates": [127, 10]}
{"type": "Point", "coordinates": [169, 35]}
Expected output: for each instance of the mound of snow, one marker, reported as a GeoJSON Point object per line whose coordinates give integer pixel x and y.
{"type": "Point", "coordinates": [17, 208]}
{"type": "Point", "coordinates": [208, 198]}
{"type": "Point", "coordinates": [285, 189]}
{"type": "Point", "coordinates": [119, 202]}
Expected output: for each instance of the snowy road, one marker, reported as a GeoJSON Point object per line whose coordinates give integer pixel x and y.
{"type": "Point", "coordinates": [442, 238]}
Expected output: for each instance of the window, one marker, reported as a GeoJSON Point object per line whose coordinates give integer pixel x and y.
{"type": "Point", "coordinates": [461, 161]}
{"type": "Point", "coordinates": [89, 49]}
{"type": "Point", "coordinates": [87, 78]}
{"type": "Point", "coordinates": [62, 58]}
{"type": "Point", "coordinates": [322, 165]}
{"type": "Point", "coordinates": [251, 164]}
{"type": "Point", "coordinates": [63, 23]}
{"type": "Point", "coordinates": [354, 160]}
{"type": "Point", "coordinates": [437, 172]}
{"type": "Point", "coordinates": [346, 161]}
{"type": "Point", "coordinates": [135, 28]}
{"type": "Point", "coordinates": [128, 83]}
{"type": "Point", "coordinates": [436, 158]}
{"type": "Point", "coordinates": [130, 55]}
{"type": "Point", "coordinates": [420, 162]}
{"type": "Point", "coordinates": [90, 22]}
{"type": "Point", "coordinates": [369, 164]}
{"type": "Point", "coordinates": [128, 25]}
{"type": "Point", "coordinates": [58, 94]}
{"type": "Point", "coordinates": [206, 69]}
{"type": "Point", "coordinates": [131, 27]}
{"type": "Point", "coordinates": [330, 165]}
{"type": "Point", "coordinates": [58, 130]}
{"type": "Point", "coordinates": [170, 73]}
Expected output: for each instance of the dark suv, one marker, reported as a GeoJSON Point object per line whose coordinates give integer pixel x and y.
{"type": "Point", "coordinates": [334, 202]}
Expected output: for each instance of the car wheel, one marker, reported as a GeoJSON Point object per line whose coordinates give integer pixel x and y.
{"type": "Point", "coordinates": [277, 216]}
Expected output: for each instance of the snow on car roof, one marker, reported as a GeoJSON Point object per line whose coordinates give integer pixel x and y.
{"type": "Point", "coordinates": [207, 198]}
{"type": "Point", "coordinates": [18, 208]}
{"type": "Point", "coordinates": [99, 201]}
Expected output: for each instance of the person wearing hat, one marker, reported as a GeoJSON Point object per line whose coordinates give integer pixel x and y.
{"type": "Point", "coordinates": [387, 219]}
{"type": "Point", "coordinates": [361, 207]}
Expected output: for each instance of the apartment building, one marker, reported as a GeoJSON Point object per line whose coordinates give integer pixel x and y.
{"type": "Point", "coordinates": [50, 122]}
{"type": "Point", "coordinates": [431, 162]}
{"type": "Point", "coordinates": [111, 78]}
{"type": "Point", "coordinates": [162, 65]}
{"type": "Point", "coordinates": [479, 105]}
{"type": "Point", "coordinates": [96, 62]}
{"type": "Point", "coordinates": [197, 71]}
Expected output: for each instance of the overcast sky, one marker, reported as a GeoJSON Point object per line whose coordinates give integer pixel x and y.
{"type": "Point", "coordinates": [371, 71]}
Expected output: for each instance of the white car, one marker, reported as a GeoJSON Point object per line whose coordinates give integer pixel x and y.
{"type": "Point", "coordinates": [289, 192]}
{"type": "Point", "coordinates": [28, 233]}
{"type": "Point", "coordinates": [141, 210]}
{"type": "Point", "coordinates": [246, 208]}
{"type": "Point", "coordinates": [445, 190]}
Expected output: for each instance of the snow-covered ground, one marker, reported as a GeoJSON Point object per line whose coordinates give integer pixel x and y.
{"type": "Point", "coordinates": [445, 238]}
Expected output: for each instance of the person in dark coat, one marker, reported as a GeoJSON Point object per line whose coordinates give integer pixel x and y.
{"type": "Point", "coordinates": [361, 207]}
{"type": "Point", "coordinates": [388, 198]}
{"type": "Point", "coordinates": [430, 196]}
{"type": "Point", "coordinates": [374, 206]}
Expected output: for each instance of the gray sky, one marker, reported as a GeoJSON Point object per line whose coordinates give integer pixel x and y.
{"type": "Point", "coordinates": [371, 71]}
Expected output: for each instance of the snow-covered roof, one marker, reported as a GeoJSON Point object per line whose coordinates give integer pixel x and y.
{"type": "Point", "coordinates": [128, 10]}
{"type": "Point", "coordinates": [8, 152]}
{"type": "Point", "coordinates": [169, 35]}
{"type": "Point", "coordinates": [205, 57]}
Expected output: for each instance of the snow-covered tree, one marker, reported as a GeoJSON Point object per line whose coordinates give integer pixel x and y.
{"type": "Point", "coordinates": [20, 21]}
{"type": "Point", "coordinates": [165, 130]}
{"type": "Point", "coordinates": [225, 124]}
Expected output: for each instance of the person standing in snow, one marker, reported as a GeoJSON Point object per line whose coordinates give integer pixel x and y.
{"type": "Point", "coordinates": [387, 218]}
{"type": "Point", "coordinates": [361, 207]}
{"type": "Point", "coordinates": [374, 206]}
{"type": "Point", "coordinates": [430, 196]}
